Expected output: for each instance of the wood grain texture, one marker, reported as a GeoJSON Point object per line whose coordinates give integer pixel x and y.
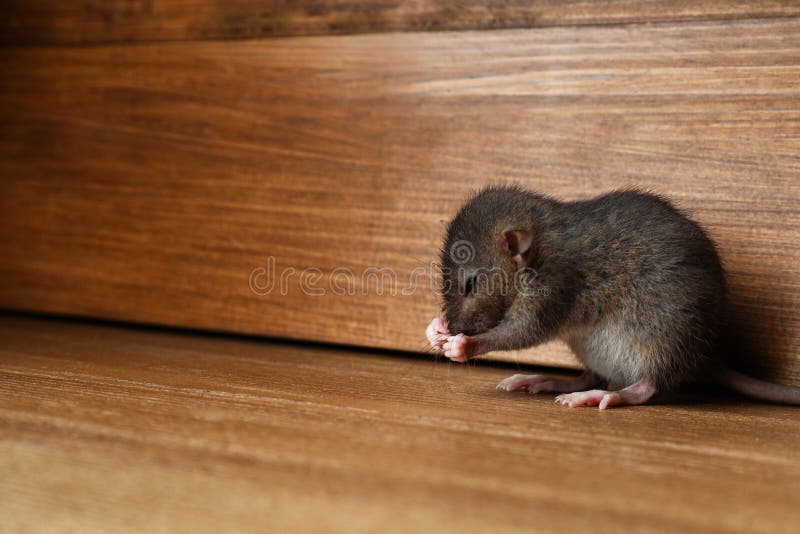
{"type": "Point", "coordinates": [146, 183]}
{"type": "Point", "coordinates": [38, 22]}
{"type": "Point", "coordinates": [116, 430]}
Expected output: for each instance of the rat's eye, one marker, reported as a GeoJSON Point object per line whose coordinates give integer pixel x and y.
{"type": "Point", "coordinates": [469, 286]}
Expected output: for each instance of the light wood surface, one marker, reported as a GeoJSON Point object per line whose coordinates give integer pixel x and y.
{"type": "Point", "coordinates": [105, 429]}
{"type": "Point", "coordinates": [37, 22]}
{"type": "Point", "coordinates": [148, 182]}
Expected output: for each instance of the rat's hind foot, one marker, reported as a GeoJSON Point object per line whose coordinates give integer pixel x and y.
{"type": "Point", "coordinates": [592, 397]}
{"type": "Point", "coordinates": [545, 384]}
{"type": "Point", "coordinates": [637, 393]}
{"type": "Point", "coordinates": [517, 382]}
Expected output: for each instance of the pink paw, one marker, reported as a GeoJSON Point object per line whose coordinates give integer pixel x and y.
{"type": "Point", "coordinates": [595, 397]}
{"type": "Point", "coordinates": [457, 348]}
{"type": "Point", "coordinates": [437, 333]}
{"type": "Point", "coordinates": [517, 382]}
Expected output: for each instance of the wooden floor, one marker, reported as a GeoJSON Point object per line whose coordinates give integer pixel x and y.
{"type": "Point", "coordinates": [117, 429]}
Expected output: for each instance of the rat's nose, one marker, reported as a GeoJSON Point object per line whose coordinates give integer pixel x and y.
{"type": "Point", "coordinates": [455, 328]}
{"type": "Point", "coordinates": [460, 328]}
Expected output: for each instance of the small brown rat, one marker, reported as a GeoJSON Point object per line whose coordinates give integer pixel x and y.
{"type": "Point", "coordinates": [631, 284]}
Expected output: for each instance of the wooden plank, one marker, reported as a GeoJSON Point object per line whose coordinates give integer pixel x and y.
{"type": "Point", "coordinates": [148, 183]}
{"type": "Point", "coordinates": [115, 430]}
{"type": "Point", "coordinates": [37, 22]}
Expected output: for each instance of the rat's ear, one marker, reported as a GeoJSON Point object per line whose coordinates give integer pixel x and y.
{"type": "Point", "coordinates": [516, 242]}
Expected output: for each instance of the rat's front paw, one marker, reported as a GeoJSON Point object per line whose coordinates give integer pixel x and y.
{"type": "Point", "coordinates": [458, 348]}
{"type": "Point", "coordinates": [437, 333]}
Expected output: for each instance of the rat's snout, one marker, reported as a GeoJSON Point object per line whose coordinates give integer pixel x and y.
{"type": "Point", "coordinates": [464, 316]}
{"type": "Point", "coordinates": [465, 331]}
{"type": "Point", "coordinates": [468, 330]}
{"type": "Point", "coordinates": [459, 326]}
{"type": "Point", "coordinates": [469, 324]}
{"type": "Point", "coordinates": [455, 325]}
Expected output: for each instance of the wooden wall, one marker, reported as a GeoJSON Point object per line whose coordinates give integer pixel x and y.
{"type": "Point", "coordinates": [37, 22]}
{"type": "Point", "coordinates": [151, 159]}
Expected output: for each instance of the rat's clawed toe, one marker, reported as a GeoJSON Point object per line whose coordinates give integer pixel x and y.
{"type": "Point", "coordinates": [611, 399]}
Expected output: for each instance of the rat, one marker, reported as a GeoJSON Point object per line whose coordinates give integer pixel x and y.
{"type": "Point", "coordinates": [634, 287]}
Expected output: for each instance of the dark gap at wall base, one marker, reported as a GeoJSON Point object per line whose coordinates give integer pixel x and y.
{"type": "Point", "coordinates": [333, 347]}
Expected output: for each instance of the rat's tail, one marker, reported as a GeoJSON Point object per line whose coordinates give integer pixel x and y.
{"type": "Point", "coordinates": [755, 388]}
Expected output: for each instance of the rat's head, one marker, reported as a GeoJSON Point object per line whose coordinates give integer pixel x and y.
{"type": "Point", "coordinates": [487, 243]}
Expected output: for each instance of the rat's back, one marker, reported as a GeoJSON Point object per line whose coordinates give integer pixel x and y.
{"type": "Point", "coordinates": [653, 288]}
